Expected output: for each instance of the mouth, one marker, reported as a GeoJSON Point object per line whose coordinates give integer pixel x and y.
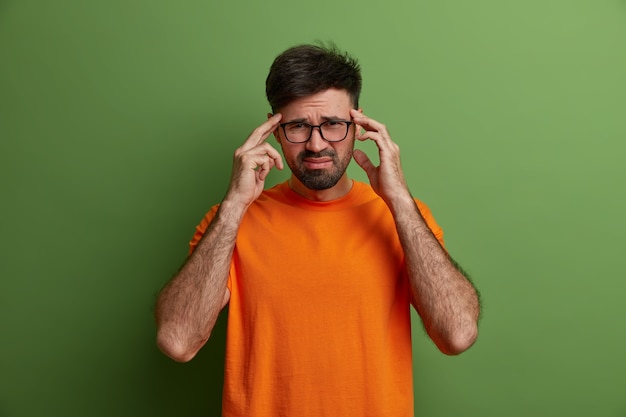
{"type": "Point", "coordinates": [318, 163]}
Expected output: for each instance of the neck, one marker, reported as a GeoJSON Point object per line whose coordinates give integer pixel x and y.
{"type": "Point", "coordinates": [343, 187]}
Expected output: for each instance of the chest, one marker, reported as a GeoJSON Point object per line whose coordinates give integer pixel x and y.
{"type": "Point", "coordinates": [321, 258]}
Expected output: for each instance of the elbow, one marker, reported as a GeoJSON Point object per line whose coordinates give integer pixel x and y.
{"type": "Point", "coordinates": [459, 341]}
{"type": "Point", "coordinates": [175, 349]}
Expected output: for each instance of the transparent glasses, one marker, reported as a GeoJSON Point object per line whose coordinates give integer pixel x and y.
{"type": "Point", "coordinates": [331, 131]}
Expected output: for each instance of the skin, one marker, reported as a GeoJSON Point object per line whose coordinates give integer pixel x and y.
{"type": "Point", "coordinates": [443, 296]}
{"type": "Point", "coordinates": [188, 306]}
{"type": "Point", "coordinates": [315, 109]}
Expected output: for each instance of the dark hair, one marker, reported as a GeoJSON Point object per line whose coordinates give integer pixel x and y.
{"type": "Point", "coordinates": [304, 70]}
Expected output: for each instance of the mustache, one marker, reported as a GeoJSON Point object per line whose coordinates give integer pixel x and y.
{"type": "Point", "coordinates": [308, 154]}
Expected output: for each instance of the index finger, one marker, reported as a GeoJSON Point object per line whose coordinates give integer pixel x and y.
{"type": "Point", "coordinates": [262, 132]}
{"type": "Point", "coordinates": [366, 122]}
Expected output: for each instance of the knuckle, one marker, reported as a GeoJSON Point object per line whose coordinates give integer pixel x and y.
{"type": "Point", "coordinates": [246, 158]}
{"type": "Point", "coordinates": [269, 149]}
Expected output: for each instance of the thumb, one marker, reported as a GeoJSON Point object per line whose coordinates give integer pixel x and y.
{"type": "Point", "coordinates": [363, 160]}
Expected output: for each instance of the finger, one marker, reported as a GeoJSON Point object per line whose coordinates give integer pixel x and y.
{"type": "Point", "coordinates": [363, 161]}
{"type": "Point", "coordinates": [374, 130]}
{"type": "Point", "coordinates": [265, 169]}
{"type": "Point", "coordinates": [274, 155]}
{"type": "Point", "coordinates": [259, 153]}
{"type": "Point", "coordinates": [366, 122]}
{"type": "Point", "coordinates": [262, 132]}
{"type": "Point", "coordinates": [369, 134]}
{"type": "Point", "coordinates": [371, 128]}
{"type": "Point", "coordinates": [388, 151]}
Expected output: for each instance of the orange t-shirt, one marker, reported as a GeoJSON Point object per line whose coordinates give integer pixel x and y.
{"type": "Point", "coordinates": [319, 313]}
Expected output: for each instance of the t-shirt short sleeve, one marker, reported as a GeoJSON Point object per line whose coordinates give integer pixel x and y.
{"type": "Point", "coordinates": [430, 221]}
{"type": "Point", "coordinates": [201, 228]}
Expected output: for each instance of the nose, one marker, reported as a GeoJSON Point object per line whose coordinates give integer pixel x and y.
{"type": "Point", "coordinates": [316, 143]}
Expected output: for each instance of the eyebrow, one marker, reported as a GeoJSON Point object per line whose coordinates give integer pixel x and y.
{"type": "Point", "coordinates": [325, 118]}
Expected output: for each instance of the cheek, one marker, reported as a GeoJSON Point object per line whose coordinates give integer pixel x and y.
{"type": "Point", "coordinates": [347, 146]}
{"type": "Point", "coordinates": [290, 153]}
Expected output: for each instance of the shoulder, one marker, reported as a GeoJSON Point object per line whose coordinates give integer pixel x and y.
{"type": "Point", "coordinates": [272, 195]}
{"type": "Point", "coordinates": [369, 195]}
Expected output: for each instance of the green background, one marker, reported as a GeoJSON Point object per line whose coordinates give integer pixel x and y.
{"type": "Point", "coordinates": [118, 121]}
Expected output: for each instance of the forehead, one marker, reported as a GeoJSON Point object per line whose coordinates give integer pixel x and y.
{"type": "Point", "coordinates": [331, 102]}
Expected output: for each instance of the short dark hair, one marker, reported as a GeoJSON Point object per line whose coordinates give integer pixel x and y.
{"type": "Point", "coordinates": [304, 70]}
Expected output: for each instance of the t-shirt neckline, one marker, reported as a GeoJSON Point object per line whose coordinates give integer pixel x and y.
{"type": "Point", "coordinates": [347, 200]}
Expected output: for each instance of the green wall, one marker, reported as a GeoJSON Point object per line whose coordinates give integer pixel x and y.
{"type": "Point", "coordinates": [118, 120]}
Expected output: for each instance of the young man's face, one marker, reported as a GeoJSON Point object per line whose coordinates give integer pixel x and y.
{"type": "Point", "coordinates": [318, 164]}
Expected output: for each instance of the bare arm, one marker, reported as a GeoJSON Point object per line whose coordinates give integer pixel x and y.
{"type": "Point", "coordinates": [188, 306]}
{"type": "Point", "coordinates": [444, 297]}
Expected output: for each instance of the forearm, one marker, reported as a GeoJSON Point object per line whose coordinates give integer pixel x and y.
{"type": "Point", "coordinates": [445, 299]}
{"type": "Point", "coordinates": [190, 303]}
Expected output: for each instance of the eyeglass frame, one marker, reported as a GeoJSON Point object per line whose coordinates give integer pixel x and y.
{"type": "Point", "coordinates": [319, 128]}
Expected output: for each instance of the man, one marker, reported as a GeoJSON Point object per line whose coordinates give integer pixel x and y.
{"type": "Point", "coordinates": [320, 271]}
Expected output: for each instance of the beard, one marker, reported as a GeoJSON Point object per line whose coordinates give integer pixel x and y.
{"type": "Point", "coordinates": [319, 179]}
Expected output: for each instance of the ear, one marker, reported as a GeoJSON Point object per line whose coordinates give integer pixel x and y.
{"type": "Point", "coordinates": [275, 132]}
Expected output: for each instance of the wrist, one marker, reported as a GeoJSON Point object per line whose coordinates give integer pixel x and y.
{"type": "Point", "coordinates": [400, 204]}
{"type": "Point", "coordinates": [232, 211]}
{"type": "Point", "coordinates": [406, 213]}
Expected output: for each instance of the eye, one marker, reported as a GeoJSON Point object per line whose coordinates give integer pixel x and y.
{"type": "Point", "coordinates": [297, 127]}
{"type": "Point", "coordinates": [335, 124]}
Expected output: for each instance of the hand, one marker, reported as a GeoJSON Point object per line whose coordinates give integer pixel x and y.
{"type": "Point", "coordinates": [251, 164]}
{"type": "Point", "coordinates": [387, 179]}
